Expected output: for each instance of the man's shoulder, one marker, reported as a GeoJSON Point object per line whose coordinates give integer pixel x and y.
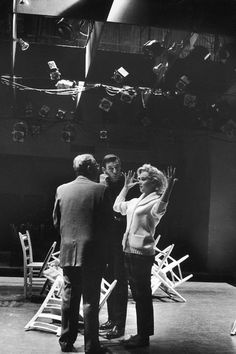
{"type": "Point", "coordinates": [81, 184]}
{"type": "Point", "coordinates": [65, 185]}
{"type": "Point", "coordinates": [99, 186]}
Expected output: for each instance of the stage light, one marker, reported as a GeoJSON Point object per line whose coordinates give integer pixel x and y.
{"type": "Point", "coordinates": [181, 84]}
{"type": "Point", "coordinates": [19, 132]}
{"type": "Point", "coordinates": [105, 104]}
{"type": "Point", "coordinates": [119, 75]}
{"type": "Point", "coordinates": [35, 129]}
{"type": "Point", "coordinates": [29, 110]}
{"type": "Point", "coordinates": [190, 101]}
{"type": "Point", "coordinates": [224, 53]}
{"type": "Point", "coordinates": [44, 110]}
{"type": "Point", "coordinates": [128, 96]}
{"type": "Point", "coordinates": [23, 45]}
{"type": "Point", "coordinates": [65, 84]}
{"type": "Point", "coordinates": [229, 128]}
{"type": "Point", "coordinates": [70, 116]}
{"type": "Point", "coordinates": [64, 28]}
{"type": "Point", "coordinates": [55, 74]}
{"type": "Point", "coordinates": [103, 135]}
{"type": "Point", "coordinates": [68, 133]}
{"type": "Point", "coordinates": [161, 68]}
{"type": "Point", "coordinates": [60, 114]}
{"type": "Point", "coordinates": [152, 49]}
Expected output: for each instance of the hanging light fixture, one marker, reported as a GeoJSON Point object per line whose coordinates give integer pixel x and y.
{"type": "Point", "coordinates": [35, 129]}
{"type": "Point", "coordinates": [105, 104]}
{"type": "Point", "coordinates": [103, 135]}
{"type": "Point", "coordinates": [19, 132]}
{"type": "Point", "coordinates": [65, 29]}
{"type": "Point", "coordinates": [128, 96]}
{"type": "Point", "coordinates": [23, 45]}
{"type": "Point", "coordinates": [44, 110]}
{"type": "Point", "coordinates": [119, 75]}
{"type": "Point", "coordinates": [152, 49]}
{"type": "Point", "coordinates": [60, 114]}
{"type": "Point", "coordinates": [55, 74]}
{"type": "Point", "coordinates": [68, 133]}
{"type": "Point", "coordinates": [29, 110]}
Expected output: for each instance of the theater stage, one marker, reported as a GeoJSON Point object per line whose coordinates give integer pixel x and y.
{"type": "Point", "coordinates": [201, 325]}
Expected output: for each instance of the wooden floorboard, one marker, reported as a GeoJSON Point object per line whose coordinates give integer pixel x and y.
{"type": "Point", "coordinates": [201, 325]}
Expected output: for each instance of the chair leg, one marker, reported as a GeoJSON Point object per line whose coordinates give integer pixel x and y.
{"type": "Point", "coordinates": [45, 285]}
{"type": "Point", "coordinates": [25, 284]}
{"type": "Point", "coordinates": [30, 283]}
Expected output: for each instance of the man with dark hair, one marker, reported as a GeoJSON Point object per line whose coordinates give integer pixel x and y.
{"type": "Point", "coordinates": [117, 302]}
{"type": "Point", "coordinates": [82, 213]}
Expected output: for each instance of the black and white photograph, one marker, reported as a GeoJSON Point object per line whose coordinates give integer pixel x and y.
{"type": "Point", "coordinates": [118, 176]}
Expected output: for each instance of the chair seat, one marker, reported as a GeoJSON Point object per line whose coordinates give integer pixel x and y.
{"type": "Point", "coordinates": [35, 265]}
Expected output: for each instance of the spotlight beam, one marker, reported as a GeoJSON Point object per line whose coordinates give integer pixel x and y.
{"type": "Point", "coordinates": [96, 9]}
{"type": "Point", "coordinates": [43, 7]}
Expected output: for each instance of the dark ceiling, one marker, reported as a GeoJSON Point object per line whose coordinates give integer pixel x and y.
{"type": "Point", "coordinates": [209, 80]}
{"type": "Point", "coordinates": [215, 16]}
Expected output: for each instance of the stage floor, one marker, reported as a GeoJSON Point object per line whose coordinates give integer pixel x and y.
{"type": "Point", "coordinates": [201, 325]}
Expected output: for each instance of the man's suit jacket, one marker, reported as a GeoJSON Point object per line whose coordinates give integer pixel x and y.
{"type": "Point", "coordinates": [82, 214]}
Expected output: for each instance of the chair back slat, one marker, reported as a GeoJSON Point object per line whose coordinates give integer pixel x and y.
{"type": "Point", "coordinates": [26, 247]}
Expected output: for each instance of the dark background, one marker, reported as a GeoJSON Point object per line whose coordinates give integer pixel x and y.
{"type": "Point", "coordinates": [200, 220]}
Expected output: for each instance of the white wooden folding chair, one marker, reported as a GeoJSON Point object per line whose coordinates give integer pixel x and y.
{"type": "Point", "coordinates": [48, 316]}
{"type": "Point", "coordinates": [157, 240]}
{"type": "Point", "coordinates": [160, 259]}
{"type": "Point", "coordinates": [233, 329]}
{"type": "Point", "coordinates": [33, 271]}
{"type": "Point", "coordinates": [168, 275]}
{"type": "Point", "coordinates": [106, 289]}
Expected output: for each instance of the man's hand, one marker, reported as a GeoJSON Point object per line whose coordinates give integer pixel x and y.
{"type": "Point", "coordinates": [103, 178]}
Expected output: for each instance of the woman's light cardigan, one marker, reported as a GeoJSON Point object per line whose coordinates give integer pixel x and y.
{"type": "Point", "coordinates": [143, 215]}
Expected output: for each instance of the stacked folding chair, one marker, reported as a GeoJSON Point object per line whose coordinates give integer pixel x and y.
{"type": "Point", "coordinates": [48, 316]}
{"type": "Point", "coordinates": [167, 273]}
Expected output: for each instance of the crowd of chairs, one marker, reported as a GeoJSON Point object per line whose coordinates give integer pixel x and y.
{"type": "Point", "coordinates": [46, 277]}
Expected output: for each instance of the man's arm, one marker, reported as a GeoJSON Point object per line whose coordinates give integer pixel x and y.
{"type": "Point", "coordinates": [56, 215]}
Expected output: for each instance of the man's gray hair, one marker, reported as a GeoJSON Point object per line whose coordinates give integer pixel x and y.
{"type": "Point", "coordinates": [82, 162]}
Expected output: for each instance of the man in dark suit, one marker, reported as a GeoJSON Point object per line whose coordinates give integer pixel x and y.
{"type": "Point", "coordinates": [117, 302]}
{"type": "Point", "coordinates": [113, 178]}
{"type": "Point", "coordinates": [82, 213]}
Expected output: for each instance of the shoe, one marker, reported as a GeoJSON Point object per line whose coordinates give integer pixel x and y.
{"type": "Point", "coordinates": [68, 349]}
{"type": "Point", "coordinates": [136, 341]}
{"type": "Point", "coordinates": [115, 332]}
{"type": "Point", "coordinates": [107, 325]}
{"type": "Point", "coordinates": [101, 350]}
{"type": "Point", "coordinates": [166, 290]}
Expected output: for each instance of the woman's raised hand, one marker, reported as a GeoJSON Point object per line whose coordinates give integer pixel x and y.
{"type": "Point", "coordinates": [129, 179]}
{"type": "Point", "coordinates": [170, 174]}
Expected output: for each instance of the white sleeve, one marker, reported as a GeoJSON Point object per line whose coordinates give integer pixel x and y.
{"type": "Point", "coordinates": [120, 205]}
{"type": "Point", "coordinates": [158, 209]}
